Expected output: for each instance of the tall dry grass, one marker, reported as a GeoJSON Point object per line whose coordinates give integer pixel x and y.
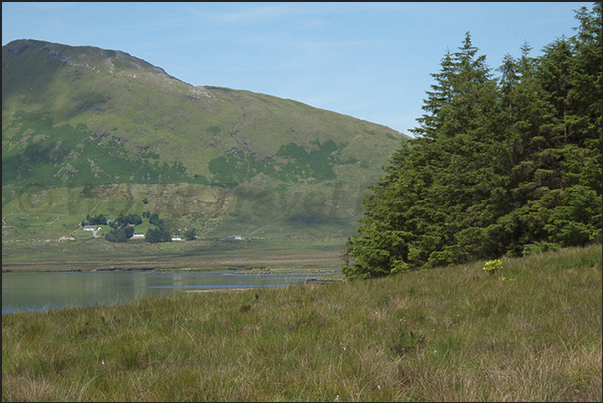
{"type": "Point", "coordinates": [452, 333]}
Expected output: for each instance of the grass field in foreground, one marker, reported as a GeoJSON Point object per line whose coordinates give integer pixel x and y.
{"type": "Point", "coordinates": [453, 333]}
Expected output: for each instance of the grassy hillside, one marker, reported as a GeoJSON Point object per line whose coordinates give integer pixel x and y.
{"type": "Point", "coordinates": [81, 120]}
{"type": "Point", "coordinates": [531, 332]}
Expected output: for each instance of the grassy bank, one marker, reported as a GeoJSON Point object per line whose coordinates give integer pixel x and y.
{"type": "Point", "coordinates": [215, 253]}
{"type": "Point", "coordinates": [452, 333]}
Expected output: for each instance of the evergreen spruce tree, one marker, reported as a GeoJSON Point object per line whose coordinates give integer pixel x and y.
{"type": "Point", "coordinates": [417, 210]}
{"type": "Point", "coordinates": [577, 220]}
{"type": "Point", "coordinates": [509, 167]}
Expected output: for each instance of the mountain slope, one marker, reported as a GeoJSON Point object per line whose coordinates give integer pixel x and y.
{"type": "Point", "coordinates": [84, 117]}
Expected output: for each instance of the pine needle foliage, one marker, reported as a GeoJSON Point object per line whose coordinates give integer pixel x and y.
{"type": "Point", "coordinates": [499, 166]}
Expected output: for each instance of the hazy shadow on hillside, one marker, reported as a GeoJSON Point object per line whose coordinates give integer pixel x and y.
{"type": "Point", "coordinates": [306, 220]}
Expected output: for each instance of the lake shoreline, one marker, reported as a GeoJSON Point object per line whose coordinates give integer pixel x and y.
{"type": "Point", "coordinates": [192, 255]}
{"type": "Point", "coordinates": [235, 271]}
{"type": "Point", "coordinates": [241, 261]}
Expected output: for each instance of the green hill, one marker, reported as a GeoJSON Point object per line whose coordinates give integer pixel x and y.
{"type": "Point", "coordinates": [85, 128]}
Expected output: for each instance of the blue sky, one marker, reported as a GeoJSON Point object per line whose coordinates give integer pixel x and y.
{"type": "Point", "coordinates": [368, 60]}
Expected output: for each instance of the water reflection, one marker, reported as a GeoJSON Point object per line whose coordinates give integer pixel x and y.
{"type": "Point", "coordinates": [41, 291]}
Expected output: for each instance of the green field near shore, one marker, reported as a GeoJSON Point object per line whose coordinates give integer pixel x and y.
{"type": "Point", "coordinates": [530, 332]}
{"type": "Point", "coordinates": [88, 253]}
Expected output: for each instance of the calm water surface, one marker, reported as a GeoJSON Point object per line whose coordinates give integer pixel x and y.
{"type": "Point", "coordinates": [41, 291]}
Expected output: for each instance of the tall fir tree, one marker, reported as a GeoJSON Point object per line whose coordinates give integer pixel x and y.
{"type": "Point", "coordinates": [416, 211]}
{"type": "Point", "coordinates": [508, 167]}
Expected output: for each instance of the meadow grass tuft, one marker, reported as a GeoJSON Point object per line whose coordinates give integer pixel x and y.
{"type": "Point", "coordinates": [453, 333]}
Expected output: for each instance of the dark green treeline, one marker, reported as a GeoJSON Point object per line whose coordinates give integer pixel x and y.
{"type": "Point", "coordinates": [499, 166]}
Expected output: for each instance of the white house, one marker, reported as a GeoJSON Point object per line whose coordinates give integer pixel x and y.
{"type": "Point", "coordinates": [138, 235]}
{"type": "Point", "coordinates": [89, 227]}
{"type": "Point", "coordinates": [235, 238]}
{"type": "Point", "coordinates": [176, 238]}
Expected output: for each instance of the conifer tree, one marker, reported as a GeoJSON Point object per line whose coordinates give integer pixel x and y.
{"type": "Point", "coordinates": [415, 211]}
{"type": "Point", "coordinates": [508, 167]}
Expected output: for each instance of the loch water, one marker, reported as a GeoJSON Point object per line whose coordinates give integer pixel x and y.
{"type": "Point", "coordinates": [39, 291]}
